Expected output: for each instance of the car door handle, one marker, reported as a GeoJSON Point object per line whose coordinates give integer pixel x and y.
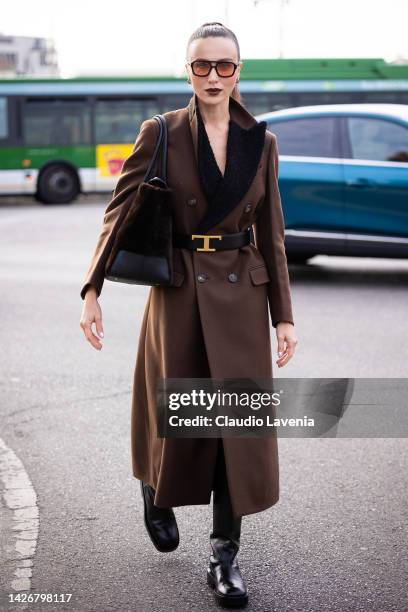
{"type": "Point", "coordinates": [361, 183]}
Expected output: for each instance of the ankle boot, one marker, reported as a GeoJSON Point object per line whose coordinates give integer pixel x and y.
{"type": "Point", "coordinates": [223, 573]}
{"type": "Point", "coordinates": [160, 523]}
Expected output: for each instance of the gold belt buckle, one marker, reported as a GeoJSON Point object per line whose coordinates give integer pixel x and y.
{"type": "Point", "coordinates": [206, 239]}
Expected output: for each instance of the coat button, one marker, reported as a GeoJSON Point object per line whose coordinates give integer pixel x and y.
{"type": "Point", "coordinates": [201, 278]}
{"type": "Point", "coordinates": [248, 207]}
{"type": "Point", "coordinates": [233, 278]}
{"type": "Point", "coordinates": [192, 201]}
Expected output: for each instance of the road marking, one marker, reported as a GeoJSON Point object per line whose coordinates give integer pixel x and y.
{"type": "Point", "coordinates": [20, 497]}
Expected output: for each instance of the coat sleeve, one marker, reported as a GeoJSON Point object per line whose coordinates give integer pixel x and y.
{"type": "Point", "coordinates": [270, 236]}
{"type": "Point", "coordinates": [132, 174]}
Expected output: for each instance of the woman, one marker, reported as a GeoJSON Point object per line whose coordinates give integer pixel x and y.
{"type": "Point", "coordinates": [214, 320]}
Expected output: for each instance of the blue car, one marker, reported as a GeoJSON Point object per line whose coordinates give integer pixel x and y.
{"type": "Point", "coordinates": [343, 178]}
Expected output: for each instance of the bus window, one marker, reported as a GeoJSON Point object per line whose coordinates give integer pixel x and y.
{"type": "Point", "coordinates": [56, 122]}
{"type": "Point", "coordinates": [151, 108]}
{"type": "Point", "coordinates": [175, 101]}
{"type": "Point", "coordinates": [3, 118]}
{"type": "Point", "coordinates": [118, 121]}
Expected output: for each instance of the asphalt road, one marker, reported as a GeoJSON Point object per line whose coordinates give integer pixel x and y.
{"type": "Point", "coordinates": [71, 511]}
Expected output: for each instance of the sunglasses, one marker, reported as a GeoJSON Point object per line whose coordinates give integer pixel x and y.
{"type": "Point", "coordinates": [202, 68]}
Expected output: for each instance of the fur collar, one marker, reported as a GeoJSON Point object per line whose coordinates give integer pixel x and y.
{"type": "Point", "coordinates": [245, 145]}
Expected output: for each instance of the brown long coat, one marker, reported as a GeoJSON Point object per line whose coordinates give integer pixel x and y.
{"type": "Point", "coordinates": [214, 328]}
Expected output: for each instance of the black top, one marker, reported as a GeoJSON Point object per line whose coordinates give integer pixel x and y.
{"type": "Point", "coordinates": [211, 176]}
{"type": "Point", "coordinates": [224, 192]}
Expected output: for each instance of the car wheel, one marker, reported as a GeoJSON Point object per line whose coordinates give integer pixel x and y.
{"type": "Point", "coordinates": [299, 258]}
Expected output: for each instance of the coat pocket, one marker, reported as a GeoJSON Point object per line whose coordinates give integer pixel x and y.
{"type": "Point", "coordinates": [259, 275]}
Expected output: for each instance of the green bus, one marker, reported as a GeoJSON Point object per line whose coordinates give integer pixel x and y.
{"type": "Point", "coordinates": [63, 137]}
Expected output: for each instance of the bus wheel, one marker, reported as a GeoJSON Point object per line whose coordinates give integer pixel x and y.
{"type": "Point", "coordinates": [57, 184]}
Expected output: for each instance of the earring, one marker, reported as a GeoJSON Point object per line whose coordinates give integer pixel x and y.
{"type": "Point", "coordinates": [188, 80]}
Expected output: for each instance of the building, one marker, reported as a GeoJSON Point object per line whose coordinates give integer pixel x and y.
{"type": "Point", "coordinates": [27, 56]}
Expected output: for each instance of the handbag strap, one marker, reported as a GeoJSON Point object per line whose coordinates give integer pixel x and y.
{"type": "Point", "coordinates": [160, 149]}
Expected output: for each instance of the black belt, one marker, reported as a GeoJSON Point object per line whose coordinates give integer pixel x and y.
{"type": "Point", "coordinates": [212, 242]}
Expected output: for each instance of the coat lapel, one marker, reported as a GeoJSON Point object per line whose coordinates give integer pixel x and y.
{"type": "Point", "coordinates": [246, 143]}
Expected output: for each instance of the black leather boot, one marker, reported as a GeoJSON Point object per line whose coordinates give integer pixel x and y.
{"type": "Point", "coordinates": [160, 523]}
{"type": "Point", "coordinates": [223, 574]}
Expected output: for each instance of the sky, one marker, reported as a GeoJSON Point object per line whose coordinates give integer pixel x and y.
{"type": "Point", "coordinates": [131, 37]}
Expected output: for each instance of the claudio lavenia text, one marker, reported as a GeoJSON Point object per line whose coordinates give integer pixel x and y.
{"type": "Point", "coordinates": [249, 421]}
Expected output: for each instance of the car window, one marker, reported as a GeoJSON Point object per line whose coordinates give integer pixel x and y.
{"type": "Point", "coordinates": [377, 139]}
{"type": "Point", "coordinates": [314, 137]}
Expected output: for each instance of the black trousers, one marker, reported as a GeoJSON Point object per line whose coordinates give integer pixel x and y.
{"type": "Point", "coordinates": [224, 523]}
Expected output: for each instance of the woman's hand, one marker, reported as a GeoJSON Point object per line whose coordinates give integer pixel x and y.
{"type": "Point", "coordinates": [91, 313]}
{"type": "Point", "coordinates": [287, 342]}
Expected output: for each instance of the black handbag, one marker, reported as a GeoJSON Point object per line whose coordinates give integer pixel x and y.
{"type": "Point", "coordinates": [142, 252]}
